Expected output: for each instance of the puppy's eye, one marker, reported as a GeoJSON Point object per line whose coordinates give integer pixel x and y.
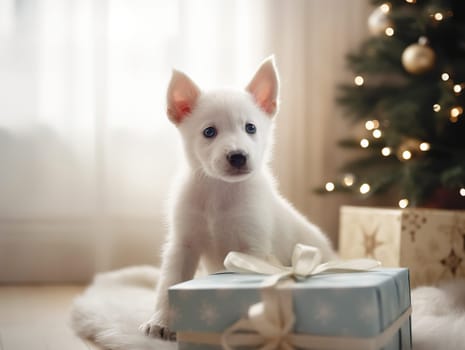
{"type": "Point", "coordinates": [250, 128]}
{"type": "Point", "coordinates": [209, 132]}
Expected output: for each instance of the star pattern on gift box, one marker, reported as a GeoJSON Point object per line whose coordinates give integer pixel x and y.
{"type": "Point", "coordinates": [367, 313]}
{"type": "Point", "coordinates": [208, 313]}
{"type": "Point", "coordinates": [371, 242]}
{"type": "Point", "coordinates": [324, 312]}
{"type": "Point", "coordinates": [452, 262]}
{"type": "Point", "coordinates": [412, 223]}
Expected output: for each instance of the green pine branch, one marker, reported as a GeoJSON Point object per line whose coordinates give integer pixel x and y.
{"type": "Point", "coordinates": [412, 109]}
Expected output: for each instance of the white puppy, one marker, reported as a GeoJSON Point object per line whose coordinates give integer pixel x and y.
{"type": "Point", "coordinates": [227, 200]}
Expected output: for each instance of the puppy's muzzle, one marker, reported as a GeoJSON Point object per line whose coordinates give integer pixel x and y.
{"type": "Point", "coordinates": [237, 159]}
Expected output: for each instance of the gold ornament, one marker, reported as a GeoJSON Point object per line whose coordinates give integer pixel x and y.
{"type": "Point", "coordinates": [418, 58]}
{"type": "Point", "coordinates": [378, 21]}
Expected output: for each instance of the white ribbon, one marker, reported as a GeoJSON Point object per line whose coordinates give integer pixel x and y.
{"type": "Point", "coordinates": [306, 261]}
{"type": "Point", "coordinates": [303, 341]}
{"type": "Point", "coordinates": [268, 326]}
{"type": "Point", "coordinates": [270, 322]}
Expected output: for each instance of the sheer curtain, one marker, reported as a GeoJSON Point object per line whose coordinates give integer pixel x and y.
{"type": "Point", "coordinates": [86, 151]}
{"type": "Point", "coordinates": [87, 154]}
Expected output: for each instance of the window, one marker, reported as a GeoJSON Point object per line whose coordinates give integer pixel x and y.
{"type": "Point", "coordinates": [86, 151]}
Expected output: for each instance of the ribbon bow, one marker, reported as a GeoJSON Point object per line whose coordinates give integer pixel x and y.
{"type": "Point", "coordinates": [306, 261]}
{"type": "Point", "coordinates": [270, 322]}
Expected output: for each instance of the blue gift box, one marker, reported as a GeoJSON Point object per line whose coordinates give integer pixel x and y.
{"type": "Point", "coordinates": [355, 305]}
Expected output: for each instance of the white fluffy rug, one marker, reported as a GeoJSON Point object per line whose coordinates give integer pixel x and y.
{"type": "Point", "coordinates": [110, 311]}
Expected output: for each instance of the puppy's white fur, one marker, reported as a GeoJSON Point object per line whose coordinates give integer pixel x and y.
{"type": "Point", "coordinates": [214, 214]}
{"type": "Point", "coordinates": [220, 205]}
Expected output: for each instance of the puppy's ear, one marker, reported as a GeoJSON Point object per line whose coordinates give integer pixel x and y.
{"type": "Point", "coordinates": [181, 97]}
{"type": "Point", "coordinates": [264, 86]}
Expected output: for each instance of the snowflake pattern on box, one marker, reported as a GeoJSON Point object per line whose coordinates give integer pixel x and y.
{"type": "Point", "coordinates": [452, 262]}
{"type": "Point", "coordinates": [413, 223]}
{"type": "Point", "coordinates": [324, 312]}
{"type": "Point", "coordinates": [367, 312]}
{"type": "Point", "coordinates": [340, 304]}
{"type": "Point", "coordinates": [208, 313]}
{"type": "Point", "coordinates": [436, 253]}
{"type": "Point", "coordinates": [455, 231]}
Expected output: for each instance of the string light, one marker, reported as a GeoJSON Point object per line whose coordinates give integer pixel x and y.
{"type": "Point", "coordinates": [385, 7]}
{"type": "Point", "coordinates": [445, 76]}
{"type": "Point", "coordinates": [330, 186]}
{"type": "Point", "coordinates": [377, 133]}
{"type": "Point", "coordinates": [462, 192]}
{"type": "Point", "coordinates": [406, 155]}
{"type": "Point", "coordinates": [358, 80]}
{"type": "Point", "coordinates": [348, 180]}
{"type": "Point", "coordinates": [423, 40]}
{"type": "Point", "coordinates": [455, 112]}
{"type": "Point", "coordinates": [403, 203]}
{"type": "Point", "coordinates": [438, 16]}
{"type": "Point", "coordinates": [436, 107]}
{"type": "Point", "coordinates": [364, 143]}
{"type": "Point", "coordinates": [457, 88]}
{"type": "Point", "coordinates": [371, 124]}
{"type": "Point", "coordinates": [386, 151]}
{"type": "Point", "coordinates": [365, 188]}
{"type": "Point", "coordinates": [425, 146]}
{"type": "Point", "coordinates": [389, 31]}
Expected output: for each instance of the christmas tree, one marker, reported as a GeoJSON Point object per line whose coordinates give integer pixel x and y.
{"type": "Point", "coordinates": [407, 102]}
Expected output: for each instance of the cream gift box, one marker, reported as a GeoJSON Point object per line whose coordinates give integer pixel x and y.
{"type": "Point", "coordinates": [430, 242]}
{"type": "Point", "coordinates": [342, 307]}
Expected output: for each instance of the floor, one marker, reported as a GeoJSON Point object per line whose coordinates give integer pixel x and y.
{"type": "Point", "coordinates": [36, 317]}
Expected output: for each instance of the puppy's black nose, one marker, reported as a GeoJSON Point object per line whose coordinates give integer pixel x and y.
{"type": "Point", "coordinates": [237, 159]}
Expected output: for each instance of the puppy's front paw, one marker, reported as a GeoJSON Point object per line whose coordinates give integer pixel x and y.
{"type": "Point", "coordinates": [155, 329]}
